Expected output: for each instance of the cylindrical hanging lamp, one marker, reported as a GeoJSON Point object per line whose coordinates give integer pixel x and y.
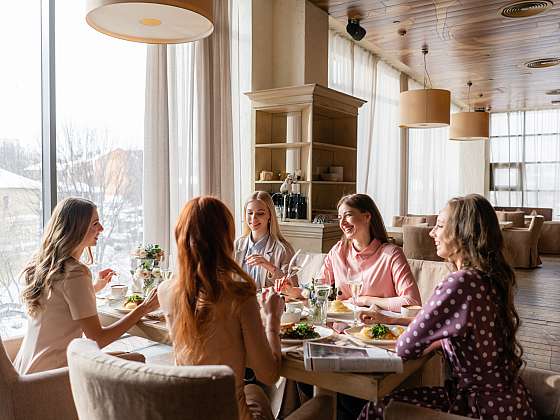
{"type": "Point", "coordinates": [150, 21]}
{"type": "Point", "coordinates": [425, 108]}
{"type": "Point", "coordinates": [469, 126]}
{"type": "Point", "coordinates": [466, 126]}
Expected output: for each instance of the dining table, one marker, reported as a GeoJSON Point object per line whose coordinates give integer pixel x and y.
{"type": "Point", "coordinates": [368, 386]}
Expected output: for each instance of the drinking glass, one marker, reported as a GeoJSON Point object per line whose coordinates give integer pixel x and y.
{"type": "Point", "coordinates": [322, 290]}
{"type": "Point", "coordinates": [297, 264]}
{"type": "Point", "coordinates": [355, 281]}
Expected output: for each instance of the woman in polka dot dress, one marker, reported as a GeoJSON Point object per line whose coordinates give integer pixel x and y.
{"type": "Point", "coordinates": [472, 318]}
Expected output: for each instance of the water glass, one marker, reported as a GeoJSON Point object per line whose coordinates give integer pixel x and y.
{"type": "Point", "coordinates": [322, 290]}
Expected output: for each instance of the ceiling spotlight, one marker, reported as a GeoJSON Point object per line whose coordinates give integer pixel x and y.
{"type": "Point", "coordinates": [354, 29]}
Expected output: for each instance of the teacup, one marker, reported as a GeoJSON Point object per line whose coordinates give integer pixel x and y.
{"type": "Point", "coordinates": [294, 306]}
{"type": "Point", "coordinates": [118, 291]}
{"type": "Point", "coordinates": [410, 310]}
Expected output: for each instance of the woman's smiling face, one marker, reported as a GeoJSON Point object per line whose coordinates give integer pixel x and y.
{"type": "Point", "coordinates": [257, 216]}
{"type": "Point", "coordinates": [443, 247]}
{"type": "Point", "coordinates": [352, 221]}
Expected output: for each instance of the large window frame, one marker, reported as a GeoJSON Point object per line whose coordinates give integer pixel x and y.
{"type": "Point", "coordinates": [518, 166]}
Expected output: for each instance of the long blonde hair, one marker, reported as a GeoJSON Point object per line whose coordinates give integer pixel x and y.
{"type": "Point", "coordinates": [273, 226]}
{"type": "Point", "coordinates": [207, 271]}
{"type": "Point", "coordinates": [65, 231]}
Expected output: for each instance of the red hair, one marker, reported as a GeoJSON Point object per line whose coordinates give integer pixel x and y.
{"type": "Point", "coordinates": [206, 272]}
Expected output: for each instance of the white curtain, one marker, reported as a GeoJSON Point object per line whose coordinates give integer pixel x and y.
{"type": "Point", "coordinates": [356, 71]}
{"type": "Point", "coordinates": [439, 168]}
{"type": "Point", "coordinates": [384, 175]}
{"type": "Point", "coordinates": [195, 82]}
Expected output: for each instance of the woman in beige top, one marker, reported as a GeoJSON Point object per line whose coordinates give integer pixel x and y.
{"type": "Point", "coordinates": [59, 293]}
{"type": "Point", "coordinates": [211, 306]}
{"type": "Point", "coordinates": [262, 251]}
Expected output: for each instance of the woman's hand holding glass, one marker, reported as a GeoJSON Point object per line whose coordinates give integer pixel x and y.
{"type": "Point", "coordinates": [284, 286]}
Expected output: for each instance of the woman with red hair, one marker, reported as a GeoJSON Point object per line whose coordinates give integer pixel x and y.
{"type": "Point", "coordinates": [211, 306]}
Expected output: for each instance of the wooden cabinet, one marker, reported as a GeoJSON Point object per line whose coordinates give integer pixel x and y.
{"type": "Point", "coordinates": [311, 128]}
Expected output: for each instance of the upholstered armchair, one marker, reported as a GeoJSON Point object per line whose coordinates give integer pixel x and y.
{"type": "Point", "coordinates": [521, 244]}
{"type": "Point", "coordinates": [418, 244]}
{"type": "Point", "coordinates": [44, 395]}
{"type": "Point", "coordinates": [544, 387]}
{"type": "Point", "coordinates": [549, 242]}
{"type": "Point", "coordinates": [517, 218]}
{"type": "Point", "coordinates": [107, 387]}
{"type": "Point", "coordinates": [428, 274]}
{"type": "Point", "coordinates": [400, 221]}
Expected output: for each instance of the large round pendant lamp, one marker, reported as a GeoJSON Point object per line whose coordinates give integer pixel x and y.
{"type": "Point", "coordinates": [425, 108]}
{"type": "Point", "coordinates": [152, 22]}
{"type": "Point", "coordinates": [467, 126]}
{"type": "Point", "coordinates": [470, 126]}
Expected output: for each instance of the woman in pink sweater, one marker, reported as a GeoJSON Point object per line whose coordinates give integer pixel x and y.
{"type": "Point", "coordinates": [365, 252]}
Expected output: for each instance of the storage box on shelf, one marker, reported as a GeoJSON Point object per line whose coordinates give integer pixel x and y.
{"type": "Point", "coordinates": [311, 129]}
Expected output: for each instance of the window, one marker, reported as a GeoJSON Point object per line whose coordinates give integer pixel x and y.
{"type": "Point", "coordinates": [100, 88]}
{"type": "Point", "coordinates": [20, 153]}
{"type": "Point", "coordinates": [525, 159]}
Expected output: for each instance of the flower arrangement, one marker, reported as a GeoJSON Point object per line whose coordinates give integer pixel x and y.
{"type": "Point", "coordinates": [145, 266]}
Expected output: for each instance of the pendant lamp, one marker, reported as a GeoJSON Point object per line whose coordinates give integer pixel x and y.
{"type": "Point", "coordinates": [150, 21]}
{"type": "Point", "coordinates": [425, 108]}
{"type": "Point", "coordinates": [469, 125]}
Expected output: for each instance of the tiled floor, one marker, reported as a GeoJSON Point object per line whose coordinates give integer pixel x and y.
{"type": "Point", "coordinates": [538, 304]}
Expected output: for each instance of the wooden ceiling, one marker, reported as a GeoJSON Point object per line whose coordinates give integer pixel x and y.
{"type": "Point", "coordinates": [467, 40]}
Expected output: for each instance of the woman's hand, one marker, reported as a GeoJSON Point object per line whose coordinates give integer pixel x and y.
{"type": "Point", "coordinates": [151, 302]}
{"type": "Point", "coordinates": [272, 306]}
{"type": "Point", "coordinates": [103, 278]}
{"type": "Point", "coordinates": [375, 317]}
{"type": "Point", "coordinates": [284, 286]}
{"type": "Point", "coordinates": [260, 261]}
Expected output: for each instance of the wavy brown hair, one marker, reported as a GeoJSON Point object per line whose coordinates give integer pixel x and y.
{"type": "Point", "coordinates": [273, 227]}
{"type": "Point", "coordinates": [473, 231]}
{"type": "Point", "coordinates": [65, 231]}
{"type": "Point", "coordinates": [206, 274]}
{"type": "Point", "coordinates": [365, 204]}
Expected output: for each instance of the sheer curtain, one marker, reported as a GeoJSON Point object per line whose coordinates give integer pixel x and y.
{"type": "Point", "coordinates": [189, 117]}
{"type": "Point", "coordinates": [358, 72]}
{"type": "Point", "coordinates": [439, 169]}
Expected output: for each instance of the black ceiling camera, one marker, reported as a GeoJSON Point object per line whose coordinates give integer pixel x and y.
{"type": "Point", "coordinates": [354, 29]}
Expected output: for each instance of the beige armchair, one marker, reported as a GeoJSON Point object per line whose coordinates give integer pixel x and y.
{"type": "Point", "coordinates": [400, 221]}
{"type": "Point", "coordinates": [521, 244]}
{"type": "Point", "coordinates": [544, 387]}
{"type": "Point", "coordinates": [428, 274]}
{"type": "Point", "coordinates": [107, 387]}
{"type": "Point", "coordinates": [516, 217]}
{"type": "Point", "coordinates": [549, 242]}
{"type": "Point", "coordinates": [43, 395]}
{"type": "Point", "coordinates": [418, 244]}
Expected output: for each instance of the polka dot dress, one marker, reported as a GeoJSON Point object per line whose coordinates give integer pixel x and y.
{"type": "Point", "coordinates": [462, 314]}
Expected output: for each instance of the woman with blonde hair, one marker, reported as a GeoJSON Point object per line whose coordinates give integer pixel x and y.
{"type": "Point", "coordinates": [211, 305]}
{"type": "Point", "coordinates": [262, 251]}
{"type": "Point", "coordinates": [471, 316]}
{"type": "Point", "coordinates": [59, 293]}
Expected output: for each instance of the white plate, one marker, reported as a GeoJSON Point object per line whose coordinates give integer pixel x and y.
{"type": "Point", "coordinates": [323, 332]}
{"type": "Point", "coordinates": [355, 332]}
{"type": "Point", "coordinates": [123, 310]}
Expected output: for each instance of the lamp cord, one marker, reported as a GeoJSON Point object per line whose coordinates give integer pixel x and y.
{"type": "Point", "coordinates": [469, 84]}
{"type": "Point", "coordinates": [426, 74]}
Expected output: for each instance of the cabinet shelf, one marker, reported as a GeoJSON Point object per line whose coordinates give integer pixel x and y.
{"type": "Point", "coordinates": [281, 145]}
{"type": "Point", "coordinates": [280, 182]}
{"type": "Point", "coordinates": [335, 182]}
{"type": "Point", "coordinates": [328, 146]}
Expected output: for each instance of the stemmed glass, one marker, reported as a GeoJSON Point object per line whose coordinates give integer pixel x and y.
{"type": "Point", "coordinates": [297, 263]}
{"type": "Point", "coordinates": [355, 281]}
{"type": "Point", "coordinates": [167, 267]}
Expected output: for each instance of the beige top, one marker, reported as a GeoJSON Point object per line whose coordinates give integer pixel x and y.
{"type": "Point", "coordinates": [237, 339]}
{"type": "Point", "coordinates": [48, 335]}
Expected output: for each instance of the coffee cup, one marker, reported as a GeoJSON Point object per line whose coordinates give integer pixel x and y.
{"type": "Point", "coordinates": [410, 311]}
{"type": "Point", "coordinates": [118, 291]}
{"type": "Point", "coordinates": [291, 316]}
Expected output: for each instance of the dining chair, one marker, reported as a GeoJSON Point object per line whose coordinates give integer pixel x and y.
{"type": "Point", "coordinates": [107, 387]}
{"type": "Point", "coordinates": [43, 395]}
{"type": "Point", "coordinates": [521, 244]}
{"type": "Point", "coordinates": [418, 244]}
{"type": "Point", "coordinates": [544, 386]}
